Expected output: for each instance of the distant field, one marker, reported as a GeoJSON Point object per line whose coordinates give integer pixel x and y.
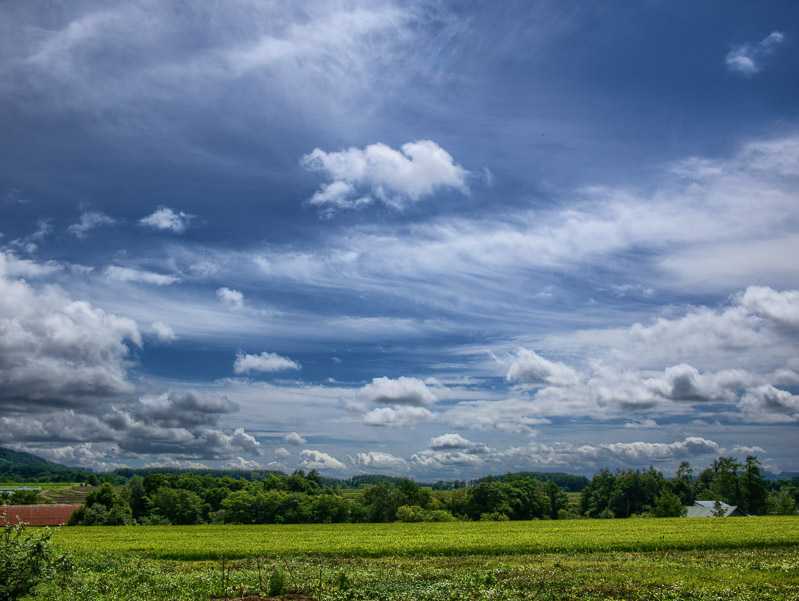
{"type": "Point", "coordinates": [452, 539]}
{"type": "Point", "coordinates": [41, 485]}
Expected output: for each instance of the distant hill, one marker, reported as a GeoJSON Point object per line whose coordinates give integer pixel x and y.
{"type": "Point", "coordinates": [16, 466]}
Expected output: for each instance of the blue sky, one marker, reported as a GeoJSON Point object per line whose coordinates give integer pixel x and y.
{"type": "Point", "coordinates": [437, 239]}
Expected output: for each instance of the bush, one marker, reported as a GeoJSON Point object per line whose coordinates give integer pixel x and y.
{"type": "Point", "coordinates": [25, 560]}
{"type": "Point", "coordinates": [277, 583]}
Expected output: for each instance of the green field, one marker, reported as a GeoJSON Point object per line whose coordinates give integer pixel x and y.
{"type": "Point", "coordinates": [40, 485]}
{"type": "Point", "coordinates": [733, 559]}
{"type": "Point", "coordinates": [453, 538]}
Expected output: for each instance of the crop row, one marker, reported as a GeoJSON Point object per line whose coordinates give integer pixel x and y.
{"type": "Point", "coordinates": [460, 538]}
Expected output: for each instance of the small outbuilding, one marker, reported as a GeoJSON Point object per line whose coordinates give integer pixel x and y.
{"type": "Point", "coordinates": [706, 509]}
{"type": "Point", "coordinates": [37, 515]}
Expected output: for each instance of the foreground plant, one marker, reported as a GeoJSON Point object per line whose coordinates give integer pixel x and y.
{"type": "Point", "coordinates": [26, 559]}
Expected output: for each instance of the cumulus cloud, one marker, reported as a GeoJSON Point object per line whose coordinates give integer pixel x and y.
{"type": "Point", "coordinates": [165, 218]}
{"type": "Point", "coordinates": [447, 442]}
{"type": "Point", "coordinates": [781, 309]}
{"type": "Point", "coordinates": [185, 408]}
{"type": "Point", "coordinates": [239, 463]}
{"type": "Point", "coordinates": [163, 331]}
{"type": "Point", "coordinates": [433, 459]}
{"type": "Point", "coordinates": [401, 391]}
{"type": "Point", "coordinates": [744, 450]}
{"type": "Point", "coordinates": [317, 460]}
{"type": "Point", "coordinates": [294, 438]}
{"type": "Point", "coordinates": [282, 453]}
{"type": "Point", "coordinates": [127, 274]}
{"type": "Point", "coordinates": [767, 403]}
{"type": "Point", "coordinates": [530, 367]}
{"type": "Point", "coordinates": [57, 352]}
{"type": "Point", "coordinates": [684, 383]}
{"type": "Point", "coordinates": [638, 453]}
{"type": "Point", "coordinates": [397, 416]}
{"type": "Point", "coordinates": [378, 460]}
{"type": "Point", "coordinates": [89, 221]}
{"type": "Point", "coordinates": [232, 299]}
{"type": "Point", "coordinates": [265, 362]}
{"type": "Point", "coordinates": [379, 172]}
{"type": "Point", "coordinates": [174, 425]}
{"type": "Point", "coordinates": [749, 59]}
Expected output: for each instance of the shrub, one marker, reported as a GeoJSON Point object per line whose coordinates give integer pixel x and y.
{"type": "Point", "coordinates": [25, 560]}
{"type": "Point", "coordinates": [277, 583]}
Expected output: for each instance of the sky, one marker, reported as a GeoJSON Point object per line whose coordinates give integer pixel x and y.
{"type": "Point", "coordinates": [424, 238]}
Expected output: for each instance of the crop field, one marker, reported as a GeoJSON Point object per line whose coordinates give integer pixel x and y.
{"type": "Point", "coordinates": [40, 485]}
{"type": "Point", "coordinates": [452, 538]}
{"type": "Point", "coordinates": [732, 559]}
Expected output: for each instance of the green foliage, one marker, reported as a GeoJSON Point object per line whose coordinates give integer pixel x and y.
{"type": "Point", "coordinates": [178, 505]}
{"type": "Point", "coordinates": [783, 503]}
{"type": "Point", "coordinates": [103, 507]}
{"type": "Point", "coordinates": [21, 497]}
{"type": "Point", "coordinates": [414, 513]}
{"type": "Point", "coordinates": [667, 505]}
{"type": "Point", "coordinates": [26, 559]}
{"type": "Point", "coordinates": [277, 582]}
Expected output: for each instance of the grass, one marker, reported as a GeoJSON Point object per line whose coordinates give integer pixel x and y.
{"type": "Point", "coordinates": [734, 559]}
{"type": "Point", "coordinates": [440, 539]}
{"type": "Point", "coordinates": [718, 575]}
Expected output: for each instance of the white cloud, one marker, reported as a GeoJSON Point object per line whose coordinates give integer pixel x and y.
{"type": "Point", "coordinates": [294, 438]}
{"type": "Point", "coordinates": [282, 453]}
{"type": "Point", "coordinates": [744, 450]}
{"type": "Point", "coordinates": [530, 367]}
{"type": "Point", "coordinates": [163, 331]}
{"type": "Point", "coordinates": [265, 362]}
{"type": "Point", "coordinates": [644, 424]}
{"type": "Point", "coordinates": [89, 221]}
{"type": "Point", "coordinates": [401, 391]}
{"type": "Point", "coordinates": [239, 463]}
{"type": "Point", "coordinates": [748, 59]}
{"type": "Point", "coordinates": [56, 352]}
{"type": "Point", "coordinates": [378, 171]}
{"type": "Point", "coordinates": [317, 460]}
{"type": "Point", "coordinates": [767, 403]}
{"type": "Point", "coordinates": [378, 460]}
{"type": "Point", "coordinates": [780, 308]}
{"type": "Point", "coordinates": [12, 266]}
{"type": "Point", "coordinates": [447, 442]}
{"type": "Point", "coordinates": [165, 218]}
{"type": "Point", "coordinates": [232, 299]}
{"type": "Point", "coordinates": [643, 452]}
{"type": "Point", "coordinates": [127, 274]}
{"type": "Point", "coordinates": [397, 416]}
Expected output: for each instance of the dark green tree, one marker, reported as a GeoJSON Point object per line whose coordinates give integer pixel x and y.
{"type": "Point", "coordinates": [103, 507]}
{"type": "Point", "coordinates": [667, 505]}
{"type": "Point", "coordinates": [753, 491]}
{"type": "Point", "coordinates": [178, 505]}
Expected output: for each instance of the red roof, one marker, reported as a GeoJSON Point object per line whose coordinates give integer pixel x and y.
{"type": "Point", "coordinates": [37, 515]}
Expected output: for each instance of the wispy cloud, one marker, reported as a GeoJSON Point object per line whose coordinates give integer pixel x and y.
{"type": "Point", "coordinates": [128, 274]}
{"type": "Point", "coordinates": [749, 59]}
{"type": "Point", "coordinates": [165, 218]}
{"type": "Point", "coordinates": [88, 221]}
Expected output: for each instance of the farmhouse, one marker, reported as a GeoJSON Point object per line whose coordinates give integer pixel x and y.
{"type": "Point", "coordinates": [37, 515]}
{"type": "Point", "coordinates": [704, 509]}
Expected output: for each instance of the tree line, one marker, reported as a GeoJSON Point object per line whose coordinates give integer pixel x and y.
{"type": "Point", "coordinates": [626, 493]}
